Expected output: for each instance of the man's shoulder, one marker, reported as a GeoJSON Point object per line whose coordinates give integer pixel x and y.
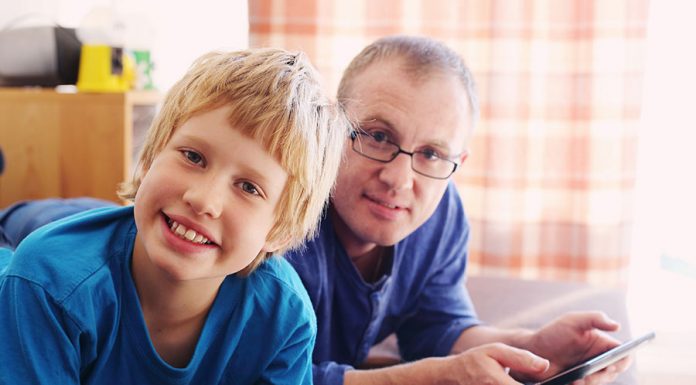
{"type": "Point", "coordinates": [310, 258]}
{"type": "Point", "coordinates": [5, 257]}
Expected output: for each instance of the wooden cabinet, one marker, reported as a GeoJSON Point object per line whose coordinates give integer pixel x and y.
{"type": "Point", "coordinates": [68, 144]}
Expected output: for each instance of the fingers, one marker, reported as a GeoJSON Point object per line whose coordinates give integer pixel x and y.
{"type": "Point", "coordinates": [623, 364]}
{"type": "Point", "coordinates": [606, 375]}
{"type": "Point", "coordinates": [516, 359]}
{"type": "Point", "coordinates": [597, 320]}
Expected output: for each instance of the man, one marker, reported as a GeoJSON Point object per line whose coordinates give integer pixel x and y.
{"type": "Point", "coordinates": [390, 256]}
{"type": "Point", "coordinates": [391, 253]}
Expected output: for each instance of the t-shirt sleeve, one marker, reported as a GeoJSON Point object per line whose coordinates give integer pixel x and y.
{"type": "Point", "coordinates": [443, 309]}
{"type": "Point", "coordinates": [39, 342]}
{"type": "Point", "coordinates": [297, 327]}
{"type": "Point", "coordinates": [293, 364]}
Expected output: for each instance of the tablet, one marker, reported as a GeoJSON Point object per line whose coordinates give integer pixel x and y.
{"type": "Point", "coordinates": [598, 362]}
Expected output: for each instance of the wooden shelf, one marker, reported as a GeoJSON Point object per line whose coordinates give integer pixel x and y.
{"type": "Point", "coordinates": [66, 144]}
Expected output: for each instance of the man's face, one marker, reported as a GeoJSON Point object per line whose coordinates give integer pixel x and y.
{"type": "Point", "coordinates": [382, 203]}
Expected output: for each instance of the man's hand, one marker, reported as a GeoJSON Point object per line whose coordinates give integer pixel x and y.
{"type": "Point", "coordinates": [486, 364]}
{"type": "Point", "coordinates": [489, 364]}
{"type": "Point", "coordinates": [573, 338]}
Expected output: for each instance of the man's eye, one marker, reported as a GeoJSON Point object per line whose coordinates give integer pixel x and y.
{"type": "Point", "coordinates": [379, 136]}
{"type": "Point", "coordinates": [431, 154]}
{"type": "Point", "coordinates": [193, 156]}
{"type": "Point", "coordinates": [250, 188]}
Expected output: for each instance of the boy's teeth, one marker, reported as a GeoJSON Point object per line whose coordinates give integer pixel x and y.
{"type": "Point", "coordinates": [186, 233]}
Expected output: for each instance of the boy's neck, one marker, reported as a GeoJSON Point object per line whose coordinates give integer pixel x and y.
{"type": "Point", "coordinates": [174, 311]}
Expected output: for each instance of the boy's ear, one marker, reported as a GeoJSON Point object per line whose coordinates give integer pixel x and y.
{"type": "Point", "coordinates": [273, 246]}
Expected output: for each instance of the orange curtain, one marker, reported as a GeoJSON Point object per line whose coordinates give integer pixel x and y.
{"type": "Point", "coordinates": [549, 184]}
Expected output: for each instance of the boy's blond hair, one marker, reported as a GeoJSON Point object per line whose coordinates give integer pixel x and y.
{"type": "Point", "coordinates": [276, 98]}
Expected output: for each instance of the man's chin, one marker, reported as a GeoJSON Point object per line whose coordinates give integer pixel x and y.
{"type": "Point", "coordinates": [385, 238]}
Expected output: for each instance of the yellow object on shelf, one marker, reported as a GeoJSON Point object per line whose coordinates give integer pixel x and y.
{"type": "Point", "coordinates": [104, 68]}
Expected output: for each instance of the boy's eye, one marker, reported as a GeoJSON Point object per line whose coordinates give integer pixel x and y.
{"type": "Point", "coordinates": [193, 156]}
{"type": "Point", "coordinates": [249, 188]}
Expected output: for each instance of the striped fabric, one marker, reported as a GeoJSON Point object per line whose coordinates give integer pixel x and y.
{"type": "Point", "coordinates": [549, 184]}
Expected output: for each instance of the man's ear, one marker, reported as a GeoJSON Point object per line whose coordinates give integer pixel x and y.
{"type": "Point", "coordinates": [463, 156]}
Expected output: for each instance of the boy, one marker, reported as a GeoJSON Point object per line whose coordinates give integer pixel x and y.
{"type": "Point", "coordinates": [180, 288]}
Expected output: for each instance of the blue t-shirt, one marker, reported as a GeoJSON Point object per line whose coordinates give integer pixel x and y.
{"type": "Point", "coordinates": [70, 313]}
{"type": "Point", "coordinates": [423, 299]}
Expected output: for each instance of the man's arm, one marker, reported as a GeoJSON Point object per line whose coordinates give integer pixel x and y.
{"type": "Point", "coordinates": [483, 354]}
{"type": "Point", "coordinates": [481, 334]}
{"type": "Point", "coordinates": [564, 341]}
{"type": "Point", "coordinates": [481, 365]}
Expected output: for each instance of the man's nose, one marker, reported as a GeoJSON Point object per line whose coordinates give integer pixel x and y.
{"type": "Point", "coordinates": [398, 174]}
{"type": "Point", "coordinates": [206, 196]}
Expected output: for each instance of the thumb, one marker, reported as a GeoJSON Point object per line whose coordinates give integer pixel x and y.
{"type": "Point", "coordinates": [518, 360]}
{"type": "Point", "coordinates": [598, 320]}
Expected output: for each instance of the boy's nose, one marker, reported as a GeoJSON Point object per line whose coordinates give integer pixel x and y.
{"type": "Point", "coordinates": [398, 174]}
{"type": "Point", "coordinates": [206, 197]}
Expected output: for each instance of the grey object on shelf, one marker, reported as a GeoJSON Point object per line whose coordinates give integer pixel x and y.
{"type": "Point", "coordinates": [43, 56]}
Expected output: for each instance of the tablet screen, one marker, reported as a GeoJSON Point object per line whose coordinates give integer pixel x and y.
{"type": "Point", "coordinates": [598, 362]}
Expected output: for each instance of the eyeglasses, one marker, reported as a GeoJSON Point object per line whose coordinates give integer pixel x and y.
{"type": "Point", "coordinates": [425, 162]}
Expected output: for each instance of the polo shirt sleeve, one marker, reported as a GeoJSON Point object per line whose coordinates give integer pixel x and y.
{"type": "Point", "coordinates": [443, 309]}
{"type": "Point", "coordinates": [444, 312]}
{"type": "Point", "coordinates": [5, 256]}
{"type": "Point", "coordinates": [329, 373]}
{"type": "Point", "coordinates": [39, 341]}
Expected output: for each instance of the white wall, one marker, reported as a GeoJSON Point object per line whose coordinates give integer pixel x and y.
{"type": "Point", "coordinates": [180, 31]}
{"type": "Point", "coordinates": [660, 296]}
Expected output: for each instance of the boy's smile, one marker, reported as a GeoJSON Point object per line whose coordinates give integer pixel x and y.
{"type": "Point", "coordinates": [184, 238]}
{"type": "Point", "coordinates": [207, 203]}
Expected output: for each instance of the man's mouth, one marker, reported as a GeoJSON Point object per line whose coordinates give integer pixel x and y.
{"type": "Point", "coordinates": [185, 233]}
{"type": "Point", "coordinates": [382, 203]}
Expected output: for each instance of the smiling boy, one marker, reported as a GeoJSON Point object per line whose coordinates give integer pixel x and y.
{"type": "Point", "coordinates": [180, 287]}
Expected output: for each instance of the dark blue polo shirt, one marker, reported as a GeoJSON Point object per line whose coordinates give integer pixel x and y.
{"type": "Point", "coordinates": [423, 299]}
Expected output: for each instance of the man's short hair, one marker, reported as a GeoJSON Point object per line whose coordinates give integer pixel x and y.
{"type": "Point", "coordinates": [275, 97]}
{"type": "Point", "coordinates": [420, 57]}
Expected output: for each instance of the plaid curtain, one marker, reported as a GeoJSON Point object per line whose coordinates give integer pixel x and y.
{"type": "Point", "coordinates": [549, 184]}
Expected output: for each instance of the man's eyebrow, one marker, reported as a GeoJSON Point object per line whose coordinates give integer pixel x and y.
{"type": "Point", "coordinates": [443, 144]}
{"type": "Point", "coordinates": [383, 121]}
{"type": "Point", "coordinates": [440, 143]}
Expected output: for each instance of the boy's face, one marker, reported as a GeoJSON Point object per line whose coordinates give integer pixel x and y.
{"type": "Point", "coordinates": [207, 203]}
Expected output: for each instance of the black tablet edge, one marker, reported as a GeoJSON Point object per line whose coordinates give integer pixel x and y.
{"type": "Point", "coordinates": [598, 362]}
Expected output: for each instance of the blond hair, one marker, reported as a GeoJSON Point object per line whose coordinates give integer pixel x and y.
{"type": "Point", "coordinates": [275, 97]}
{"type": "Point", "coordinates": [421, 56]}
